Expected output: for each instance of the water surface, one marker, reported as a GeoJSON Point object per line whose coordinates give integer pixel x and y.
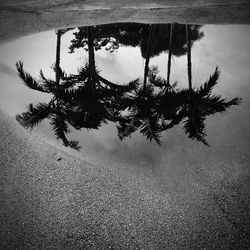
{"type": "Point", "coordinates": [120, 54]}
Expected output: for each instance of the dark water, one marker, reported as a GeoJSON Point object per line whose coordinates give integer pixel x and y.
{"type": "Point", "coordinates": [122, 93]}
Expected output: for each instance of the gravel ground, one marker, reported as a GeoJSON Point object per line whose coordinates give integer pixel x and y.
{"type": "Point", "coordinates": [19, 18]}
{"type": "Point", "coordinates": [53, 200]}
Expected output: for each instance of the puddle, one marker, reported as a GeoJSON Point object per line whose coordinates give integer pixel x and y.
{"type": "Point", "coordinates": [102, 99]}
{"type": "Point", "coordinates": [163, 108]}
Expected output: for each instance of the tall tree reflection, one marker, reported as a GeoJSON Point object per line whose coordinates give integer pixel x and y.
{"type": "Point", "coordinates": [141, 114]}
{"type": "Point", "coordinates": [112, 36]}
{"type": "Point", "coordinates": [56, 110]}
{"type": "Point", "coordinates": [153, 39]}
{"type": "Point", "coordinates": [84, 100]}
{"type": "Point", "coordinates": [192, 108]}
{"type": "Point", "coordinates": [152, 113]}
{"type": "Point", "coordinates": [149, 104]}
{"type": "Point", "coordinates": [95, 96]}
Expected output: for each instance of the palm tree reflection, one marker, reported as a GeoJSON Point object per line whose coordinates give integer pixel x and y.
{"type": "Point", "coordinates": [150, 105]}
{"type": "Point", "coordinates": [141, 114]}
{"type": "Point", "coordinates": [192, 108]}
{"type": "Point", "coordinates": [57, 109]}
{"type": "Point", "coordinates": [84, 100]}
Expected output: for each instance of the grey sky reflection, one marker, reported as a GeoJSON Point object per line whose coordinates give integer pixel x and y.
{"type": "Point", "coordinates": [225, 46]}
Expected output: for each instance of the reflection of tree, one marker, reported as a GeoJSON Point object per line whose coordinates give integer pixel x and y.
{"type": "Point", "coordinates": [189, 68]}
{"type": "Point", "coordinates": [108, 36]}
{"type": "Point", "coordinates": [56, 110]}
{"type": "Point", "coordinates": [112, 36]}
{"type": "Point", "coordinates": [150, 105]}
{"type": "Point", "coordinates": [149, 48]}
{"type": "Point", "coordinates": [200, 103]}
{"type": "Point", "coordinates": [170, 52]}
{"type": "Point", "coordinates": [152, 39]}
{"type": "Point", "coordinates": [153, 113]}
{"type": "Point", "coordinates": [95, 95]}
{"type": "Point", "coordinates": [141, 114]}
{"type": "Point", "coordinates": [95, 101]}
{"type": "Point", "coordinates": [161, 40]}
{"type": "Point", "coordinates": [192, 107]}
{"type": "Point", "coordinates": [84, 100]}
{"type": "Point", "coordinates": [90, 71]}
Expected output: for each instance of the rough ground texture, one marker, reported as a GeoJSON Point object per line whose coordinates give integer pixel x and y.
{"type": "Point", "coordinates": [18, 18]}
{"type": "Point", "coordinates": [53, 200]}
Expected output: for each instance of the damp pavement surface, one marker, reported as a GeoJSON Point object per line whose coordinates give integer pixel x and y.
{"type": "Point", "coordinates": [51, 199]}
{"type": "Point", "coordinates": [19, 18]}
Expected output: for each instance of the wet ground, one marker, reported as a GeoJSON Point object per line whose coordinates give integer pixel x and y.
{"type": "Point", "coordinates": [19, 18]}
{"type": "Point", "coordinates": [98, 4]}
{"type": "Point", "coordinates": [176, 144]}
{"type": "Point", "coordinates": [125, 62]}
{"type": "Point", "coordinates": [138, 194]}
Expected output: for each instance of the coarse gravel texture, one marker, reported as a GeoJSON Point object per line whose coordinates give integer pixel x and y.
{"type": "Point", "coordinates": [51, 199]}
{"type": "Point", "coordinates": [19, 18]}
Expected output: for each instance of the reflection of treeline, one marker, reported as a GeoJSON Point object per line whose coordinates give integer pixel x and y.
{"type": "Point", "coordinates": [112, 36]}
{"type": "Point", "coordinates": [150, 105]}
{"type": "Point", "coordinates": [153, 111]}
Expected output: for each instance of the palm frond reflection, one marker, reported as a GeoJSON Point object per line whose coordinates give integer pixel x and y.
{"type": "Point", "coordinates": [148, 104]}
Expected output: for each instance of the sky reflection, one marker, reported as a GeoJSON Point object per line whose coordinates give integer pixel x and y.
{"type": "Point", "coordinates": [228, 133]}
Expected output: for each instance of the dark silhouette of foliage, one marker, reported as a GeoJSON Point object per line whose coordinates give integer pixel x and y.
{"type": "Point", "coordinates": [161, 40]}
{"type": "Point", "coordinates": [97, 96]}
{"type": "Point", "coordinates": [153, 112]}
{"type": "Point", "coordinates": [85, 100]}
{"type": "Point", "coordinates": [108, 36]}
{"type": "Point", "coordinates": [54, 110]}
{"type": "Point", "coordinates": [170, 51]}
{"type": "Point", "coordinates": [29, 81]}
{"type": "Point", "coordinates": [142, 114]}
{"type": "Point", "coordinates": [193, 107]}
{"type": "Point", "coordinates": [34, 115]}
{"type": "Point", "coordinates": [112, 36]}
{"type": "Point", "coordinates": [149, 48]}
{"type": "Point", "coordinates": [150, 105]}
{"type": "Point", "coordinates": [201, 103]}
